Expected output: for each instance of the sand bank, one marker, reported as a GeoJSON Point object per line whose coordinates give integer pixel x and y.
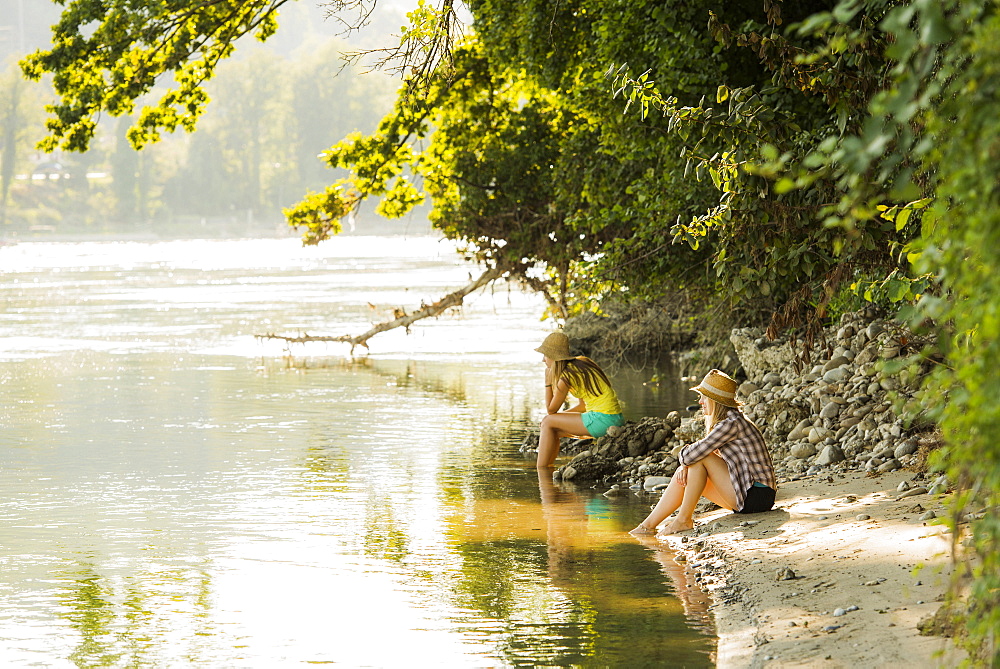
{"type": "Point", "coordinates": [838, 575]}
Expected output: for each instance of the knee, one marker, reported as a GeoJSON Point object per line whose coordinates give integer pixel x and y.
{"type": "Point", "coordinates": [546, 423]}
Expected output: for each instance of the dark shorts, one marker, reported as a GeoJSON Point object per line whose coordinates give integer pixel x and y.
{"type": "Point", "coordinates": [758, 499]}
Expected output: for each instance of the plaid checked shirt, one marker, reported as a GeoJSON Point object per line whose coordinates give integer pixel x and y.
{"type": "Point", "coordinates": [742, 446]}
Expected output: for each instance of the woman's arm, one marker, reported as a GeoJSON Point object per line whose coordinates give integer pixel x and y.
{"type": "Point", "coordinates": [699, 450]}
{"type": "Point", "coordinates": [555, 396]}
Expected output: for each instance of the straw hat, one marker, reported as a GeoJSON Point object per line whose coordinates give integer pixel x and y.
{"type": "Point", "coordinates": [556, 347]}
{"type": "Point", "coordinates": [720, 387]}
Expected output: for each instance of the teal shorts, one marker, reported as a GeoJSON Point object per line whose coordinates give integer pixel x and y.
{"type": "Point", "coordinates": [597, 423]}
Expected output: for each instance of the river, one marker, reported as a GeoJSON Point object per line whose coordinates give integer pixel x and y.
{"type": "Point", "coordinates": [176, 492]}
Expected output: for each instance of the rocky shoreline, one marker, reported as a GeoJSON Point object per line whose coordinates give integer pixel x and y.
{"type": "Point", "coordinates": [856, 509]}
{"type": "Point", "coordinates": [842, 413]}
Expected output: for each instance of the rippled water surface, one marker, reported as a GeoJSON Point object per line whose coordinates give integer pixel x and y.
{"type": "Point", "coordinates": [176, 492]}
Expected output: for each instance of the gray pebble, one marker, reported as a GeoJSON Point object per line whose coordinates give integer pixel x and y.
{"type": "Point", "coordinates": [862, 516]}
{"type": "Point", "coordinates": [890, 465]}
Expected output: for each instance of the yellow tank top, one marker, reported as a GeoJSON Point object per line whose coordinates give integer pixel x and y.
{"type": "Point", "coordinates": [604, 402]}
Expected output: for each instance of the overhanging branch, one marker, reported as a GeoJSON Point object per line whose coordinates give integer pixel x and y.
{"type": "Point", "coordinates": [452, 299]}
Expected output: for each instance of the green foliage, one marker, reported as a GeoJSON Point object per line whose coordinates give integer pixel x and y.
{"type": "Point", "coordinates": [108, 53]}
{"type": "Point", "coordinates": [320, 213]}
{"type": "Point", "coordinates": [958, 149]}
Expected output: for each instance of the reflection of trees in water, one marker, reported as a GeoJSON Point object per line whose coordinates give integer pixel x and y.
{"type": "Point", "coordinates": [496, 575]}
{"type": "Point", "coordinates": [564, 590]}
{"type": "Point", "coordinates": [560, 605]}
{"type": "Point", "coordinates": [447, 381]}
{"type": "Point", "coordinates": [382, 538]}
{"type": "Point", "coordinates": [117, 619]}
{"type": "Point", "coordinates": [538, 572]}
{"type": "Point", "coordinates": [90, 611]}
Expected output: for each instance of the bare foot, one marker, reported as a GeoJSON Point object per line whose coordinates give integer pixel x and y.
{"type": "Point", "coordinates": [642, 529]}
{"type": "Point", "coordinates": [676, 525]}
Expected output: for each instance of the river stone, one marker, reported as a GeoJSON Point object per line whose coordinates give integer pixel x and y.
{"type": "Point", "coordinates": [889, 383]}
{"type": "Point", "coordinates": [835, 363]}
{"type": "Point", "coordinates": [830, 455]}
{"type": "Point", "coordinates": [836, 375]}
{"type": "Point", "coordinates": [650, 482]}
{"type": "Point", "coordinates": [864, 409]}
{"type": "Point", "coordinates": [874, 330]}
{"type": "Point", "coordinates": [890, 465]}
{"type": "Point", "coordinates": [690, 430]}
{"type": "Point", "coordinates": [937, 489]}
{"type": "Point", "coordinates": [802, 450]}
{"type": "Point", "coordinates": [908, 447]}
{"type": "Point", "coordinates": [673, 420]}
{"type": "Point", "coordinates": [831, 410]}
{"type": "Point", "coordinates": [801, 430]}
{"type": "Point", "coordinates": [818, 434]}
{"type": "Point", "coordinates": [883, 453]}
{"type": "Point", "coordinates": [773, 378]}
{"type": "Point", "coordinates": [659, 438]}
{"type": "Point", "coordinates": [866, 356]}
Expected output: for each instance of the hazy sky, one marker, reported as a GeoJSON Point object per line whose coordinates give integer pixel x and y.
{"type": "Point", "coordinates": [25, 24]}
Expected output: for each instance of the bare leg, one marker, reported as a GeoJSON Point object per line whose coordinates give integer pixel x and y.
{"type": "Point", "coordinates": [670, 500]}
{"type": "Point", "coordinates": [710, 477]}
{"type": "Point", "coordinates": [554, 426]}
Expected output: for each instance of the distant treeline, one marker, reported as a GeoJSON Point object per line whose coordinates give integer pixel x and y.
{"type": "Point", "coordinates": [273, 110]}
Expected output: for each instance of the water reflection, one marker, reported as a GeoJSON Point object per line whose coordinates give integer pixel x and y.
{"type": "Point", "coordinates": [170, 495]}
{"type": "Point", "coordinates": [552, 567]}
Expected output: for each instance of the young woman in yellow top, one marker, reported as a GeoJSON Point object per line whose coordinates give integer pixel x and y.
{"type": "Point", "coordinates": [580, 376]}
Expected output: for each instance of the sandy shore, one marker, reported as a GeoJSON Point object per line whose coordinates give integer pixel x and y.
{"type": "Point", "coordinates": [866, 571]}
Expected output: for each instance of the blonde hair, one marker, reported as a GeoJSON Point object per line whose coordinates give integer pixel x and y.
{"type": "Point", "coordinates": [718, 413]}
{"type": "Point", "coordinates": [581, 373]}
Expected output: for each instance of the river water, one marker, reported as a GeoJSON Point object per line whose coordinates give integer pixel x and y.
{"type": "Point", "coordinates": [176, 492]}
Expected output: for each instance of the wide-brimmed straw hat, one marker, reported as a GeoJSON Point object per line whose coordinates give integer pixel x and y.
{"type": "Point", "coordinates": [720, 387]}
{"type": "Point", "coordinates": [556, 347]}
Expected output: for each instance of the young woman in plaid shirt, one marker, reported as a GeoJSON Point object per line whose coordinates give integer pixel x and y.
{"type": "Point", "coordinates": [731, 466]}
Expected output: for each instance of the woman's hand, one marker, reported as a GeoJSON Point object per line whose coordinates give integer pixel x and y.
{"type": "Point", "coordinates": [682, 475]}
